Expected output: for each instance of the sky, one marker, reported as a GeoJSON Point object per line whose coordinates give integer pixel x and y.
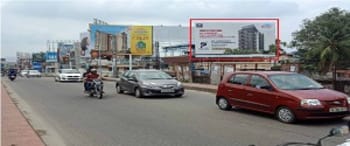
{"type": "Point", "coordinates": [26, 25]}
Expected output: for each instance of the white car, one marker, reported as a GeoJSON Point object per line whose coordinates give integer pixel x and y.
{"type": "Point", "coordinates": [23, 73]}
{"type": "Point", "coordinates": [68, 75]}
{"type": "Point", "coordinates": [33, 73]}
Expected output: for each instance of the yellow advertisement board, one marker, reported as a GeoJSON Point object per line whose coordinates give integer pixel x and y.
{"type": "Point", "coordinates": [141, 40]}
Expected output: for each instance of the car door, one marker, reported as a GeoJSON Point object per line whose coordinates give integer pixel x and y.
{"type": "Point", "coordinates": [123, 81]}
{"type": "Point", "coordinates": [131, 82]}
{"type": "Point", "coordinates": [235, 89]}
{"type": "Point", "coordinates": [260, 94]}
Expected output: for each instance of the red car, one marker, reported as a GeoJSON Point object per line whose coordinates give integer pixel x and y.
{"type": "Point", "coordinates": [289, 96]}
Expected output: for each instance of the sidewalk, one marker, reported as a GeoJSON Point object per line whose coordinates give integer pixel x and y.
{"type": "Point", "coordinates": [192, 86]}
{"type": "Point", "coordinates": [16, 131]}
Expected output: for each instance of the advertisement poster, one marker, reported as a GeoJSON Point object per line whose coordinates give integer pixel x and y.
{"type": "Point", "coordinates": [230, 39]}
{"type": "Point", "coordinates": [141, 40]}
{"type": "Point", "coordinates": [84, 44]}
{"type": "Point", "coordinates": [114, 30]}
{"type": "Point", "coordinates": [51, 57]}
{"type": "Point", "coordinates": [38, 57]}
{"type": "Point", "coordinates": [64, 52]}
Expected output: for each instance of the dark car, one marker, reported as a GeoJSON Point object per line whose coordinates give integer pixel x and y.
{"type": "Point", "coordinates": [149, 83]}
{"type": "Point", "coordinates": [290, 96]}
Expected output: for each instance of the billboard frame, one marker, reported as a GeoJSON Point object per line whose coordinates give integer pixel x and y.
{"type": "Point", "coordinates": [233, 59]}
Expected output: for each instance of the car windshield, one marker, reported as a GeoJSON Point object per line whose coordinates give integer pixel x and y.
{"type": "Point", "coordinates": [153, 75]}
{"type": "Point", "coordinates": [70, 71]}
{"type": "Point", "coordinates": [294, 82]}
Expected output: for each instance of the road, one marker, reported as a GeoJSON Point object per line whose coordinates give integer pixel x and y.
{"type": "Point", "coordinates": [123, 120]}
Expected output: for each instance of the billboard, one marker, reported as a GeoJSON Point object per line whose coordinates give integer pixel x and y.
{"type": "Point", "coordinates": [136, 39]}
{"type": "Point", "coordinates": [38, 57]}
{"type": "Point", "coordinates": [141, 40]}
{"type": "Point", "coordinates": [64, 50]}
{"type": "Point", "coordinates": [233, 38]}
{"type": "Point", "coordinates": [84, 44]}
{"type": "Point", "coordinates": [95, 29]}
{"type": "Point", "coordinates": [51, 56]}
{"type": "Point", "coordinates": [37, 66]}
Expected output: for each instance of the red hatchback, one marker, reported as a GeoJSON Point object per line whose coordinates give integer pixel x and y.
{"type": "Point", "coordinates": [290, 96]}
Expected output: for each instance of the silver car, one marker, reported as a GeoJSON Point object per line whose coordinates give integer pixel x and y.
{"type": "Point", "coordinates": [149, 83]}
{"type": "Point", "coordinates": [33, 73]}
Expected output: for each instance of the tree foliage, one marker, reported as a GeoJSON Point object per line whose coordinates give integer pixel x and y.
{"type": "Point", "coordinates": [324, 41]}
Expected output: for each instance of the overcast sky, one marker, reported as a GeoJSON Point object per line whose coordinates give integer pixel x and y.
{"type": "Point", "coordinates": [26, 25]}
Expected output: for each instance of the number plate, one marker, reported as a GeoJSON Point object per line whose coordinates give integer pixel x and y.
{"type": "Point", "coordinates": [338, 109]}
{"type": "Point", "coordinates": [167, 90]}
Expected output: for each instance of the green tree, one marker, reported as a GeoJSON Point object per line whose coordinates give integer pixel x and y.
{"type": "Point", "coordinates": [273, 48]}
{"type": "Point", "coordinates": [326, 39]}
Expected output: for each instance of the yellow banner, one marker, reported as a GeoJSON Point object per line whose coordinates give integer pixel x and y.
{"type": "Point", "coordinates": [141, 40]}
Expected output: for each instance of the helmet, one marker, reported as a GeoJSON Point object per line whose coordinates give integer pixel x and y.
{"type": "Point", "coordinates": [93, 70]}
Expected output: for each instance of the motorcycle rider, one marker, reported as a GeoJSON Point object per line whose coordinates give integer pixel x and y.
{"type": "Point", "coordinates": [92, 75]}
{"type": "Point", "coordinates": [84, 76]}
{"type": "Point", "coordinates": [12, 72]}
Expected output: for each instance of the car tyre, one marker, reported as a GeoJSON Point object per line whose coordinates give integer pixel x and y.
{"type": "Point", "coordinates": [178, 95]}
{"type": "Point", "coordinates": [223, 104]}
{"type": "Point", "coordinates": [285, 115]}
{"type": "Point", "coordinates": [138, 93]}
{"type": "Point", "coordinates": [119, 90]}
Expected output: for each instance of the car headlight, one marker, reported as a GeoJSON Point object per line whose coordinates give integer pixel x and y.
{"type": "Point", "coordinates": [310, 102]}
{"type": "Point", "coordinates": [146, 85]}
{"type": "Point", "coordinates": [179, 84]}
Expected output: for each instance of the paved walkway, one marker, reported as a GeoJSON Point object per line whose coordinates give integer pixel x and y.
{"type": "Point", "coordinates": [192, 86]}
{"type": "Point", "coordinates": [16, 131]}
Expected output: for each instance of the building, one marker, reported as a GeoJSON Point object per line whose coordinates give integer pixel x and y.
{"type": "Point", "coordinates": [24, 60]}
{"type": "Point", "coordinates": [250, 39]}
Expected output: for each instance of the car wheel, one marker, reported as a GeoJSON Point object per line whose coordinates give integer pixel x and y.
{"type": "Point", "coordinates": [285, 115]}
{"type": "Point", "coordinates": [119, 90]}
{"type": "Point", "coordinates": [178, 95]}
{"type": "Point", "coordinates": [223, 104]}
{"type": "Point", "coordinates": [138, 93]}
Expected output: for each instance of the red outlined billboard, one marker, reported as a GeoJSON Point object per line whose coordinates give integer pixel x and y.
{"type": "Point", "coordinates": [233, 39]}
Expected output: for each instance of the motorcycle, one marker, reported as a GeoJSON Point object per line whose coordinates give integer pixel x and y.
{"type": "Point", "coordinates": [12, 77]}
{"type": "Point", "coordinates": [96, 89]}
{"type": "Point", "coordinates": [339, 131]}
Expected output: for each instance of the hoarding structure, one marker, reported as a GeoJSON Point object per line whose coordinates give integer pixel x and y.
{"type": "Point", "coordinates": [141, 40]}
{"type": "Point", "coordinates": [136, 39]}
{"type": "Point", "coordinates": [233, 39]}
{"type": "Point", "coordinates": [85, 44]}
{"type": "Point", "coordinates": [51, 56]}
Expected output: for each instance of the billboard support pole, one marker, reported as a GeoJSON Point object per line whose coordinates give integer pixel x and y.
{"type": "Point", "coordinates": [130, 62]}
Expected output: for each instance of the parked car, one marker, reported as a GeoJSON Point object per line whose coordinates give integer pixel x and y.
{"type": "Point", "coordinates": [33, 73]}
{"type": "Point", "coordinates": [149, 83]}
{"type": "Point", "coordinates": [289, 96]}
{"type": "Point", "coordinates": [23, 73]}
{"type": "Point", "coordinates": [68, 75]}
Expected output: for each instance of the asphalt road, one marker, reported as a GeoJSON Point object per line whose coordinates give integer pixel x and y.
{"type": "Point", "coordinates": [123, 120]}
